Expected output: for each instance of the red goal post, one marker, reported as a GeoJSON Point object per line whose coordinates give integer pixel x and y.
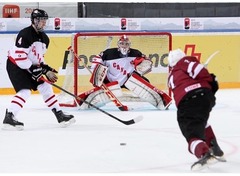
{"type": "Point", "coordinates": [86, 45]}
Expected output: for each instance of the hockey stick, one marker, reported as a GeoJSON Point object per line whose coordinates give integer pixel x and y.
{"type": "Point", "coordinates": [129, 122]}
{"type": "Point", "coordinates": [109, 93]}
{"type": "Point", "coordinates": [209, 59]}
{"type": "Point", "coordinates": [109, 41]}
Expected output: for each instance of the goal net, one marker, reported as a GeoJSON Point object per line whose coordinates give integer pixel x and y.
{"type": "Point", "coordinates": [85, 45]}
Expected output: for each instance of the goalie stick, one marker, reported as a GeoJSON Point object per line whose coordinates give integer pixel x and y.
{"type": "Point", "coordinates": [128, 122]}
{"type": "Point", "coordinates": [108, 92]}
{"type": "Point", "coordinates": [109, 41]}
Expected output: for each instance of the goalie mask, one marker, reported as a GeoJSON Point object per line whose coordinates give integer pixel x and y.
{"type": "Point", "coordinates": [124, 45]}
{"type": "Point", "coordinates": [39, 19]}
{"type": "Point", "coordinates": [174, 56]}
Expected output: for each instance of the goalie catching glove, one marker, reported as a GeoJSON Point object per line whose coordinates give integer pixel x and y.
{"type": "Point", "coordinates": [98, 75]}
{"type": "Point", "coordinates": [142, 65]}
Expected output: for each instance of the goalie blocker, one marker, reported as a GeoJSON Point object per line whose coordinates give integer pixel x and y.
{"type": "Point", "coordinates": [98, 75]}
{"type": "Point", "coordinates": [143, 89]}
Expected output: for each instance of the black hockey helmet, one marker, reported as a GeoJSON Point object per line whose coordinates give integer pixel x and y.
{"type": "Point", "coordinates": [38, 14]}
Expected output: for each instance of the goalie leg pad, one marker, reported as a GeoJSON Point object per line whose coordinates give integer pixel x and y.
{"type": "Point", "coordinates": [148, 92]}
{"type": "Point", "coordinates": [98, 97]}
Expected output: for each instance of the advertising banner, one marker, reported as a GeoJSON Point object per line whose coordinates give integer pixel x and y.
{"type": "Point", "coordinates": [200, 37]}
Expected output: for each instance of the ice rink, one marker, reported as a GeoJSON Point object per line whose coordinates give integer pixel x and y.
{"type": "Point", "coordinates": [92, 144]}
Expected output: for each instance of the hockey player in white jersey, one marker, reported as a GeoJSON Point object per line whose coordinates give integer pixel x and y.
{"type": "Point", "coordinates": [26, 66]}
{"type": "Point", "coordinates": [123, 67]}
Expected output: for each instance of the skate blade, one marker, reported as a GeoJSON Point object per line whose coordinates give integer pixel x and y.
{"type": "Point", "coordinates": [65, 124]}
{"type": "Point", "coordinates": [199, 166]}
{"type": "Point", "coordinates": [221, 158]}
{"type": "Point", "coordinates": [12, 128]}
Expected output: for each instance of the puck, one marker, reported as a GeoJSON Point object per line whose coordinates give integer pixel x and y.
{"type": "Point", "coordinates": [123, 144]}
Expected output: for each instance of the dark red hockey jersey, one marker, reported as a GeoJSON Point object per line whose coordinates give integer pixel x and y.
{"type": "Point", "coordinates": [188, 74]}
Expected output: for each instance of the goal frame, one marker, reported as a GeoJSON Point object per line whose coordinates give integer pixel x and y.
{"type": "Point", "coordinates": [133, 33]}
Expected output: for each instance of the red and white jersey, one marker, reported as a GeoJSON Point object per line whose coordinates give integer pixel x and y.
{"type": "Point", "coordinates": [29, 48]}
{"type": "Point", "coordinates": [119, 67]}
{"type": "Point", "coordinates": [188, 74]}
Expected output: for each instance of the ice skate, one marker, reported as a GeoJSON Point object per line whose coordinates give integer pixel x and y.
{"type": "Point", "coordinates": [10, 123]}
{"type": "Point", "coordinates": [216, 150]}
{"type": "Point", "coordinates": [63, 119]}
{"type": "Point", "coordinates": [207, 159]}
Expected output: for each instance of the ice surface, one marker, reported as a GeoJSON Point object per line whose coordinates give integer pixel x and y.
{"type": "Point", "coordinates": [92, 145]}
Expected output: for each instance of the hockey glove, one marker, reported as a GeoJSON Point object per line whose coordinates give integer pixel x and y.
{"type": "Point", "coordinates": [46, 68]}
{"type": "Point", "coordinates": [36, 71]}
{"type": "Point", "coordinates": [49, 72]}
{"type": "Point", "coordinates": [214, 83]}
{"type": "Point", "coordinates": [51, 76]}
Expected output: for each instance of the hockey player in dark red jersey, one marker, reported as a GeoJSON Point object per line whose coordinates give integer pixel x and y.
{"type": "Point", "coordinates": [194, 91]}
{"type": "Point", "coordinates": [123, 67]}
{"type": "Point", "coordinates": [26, 66]}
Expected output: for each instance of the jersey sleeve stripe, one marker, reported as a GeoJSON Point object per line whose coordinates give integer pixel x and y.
{"type": "Point", "coordinates": [194, 69]}
{"type": "Point", "coordinates": [20, 52]}
{"type": "Point", "coordinates": [20, 59]}
{"type": "Point", "coordinates": [197, 70]}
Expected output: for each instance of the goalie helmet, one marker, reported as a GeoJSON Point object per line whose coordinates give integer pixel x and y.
{"type": "Point", "coordinates": [38, 16]}
{"type": "Point", "coordinates": [124, 45]}
{"type": "Point", "coordinates": [174, 56]}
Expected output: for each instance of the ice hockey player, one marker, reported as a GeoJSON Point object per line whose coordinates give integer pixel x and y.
{"type": "Point", "coordinates": [26, 66]}
{"type": "Point", "coordinates": [194, 91]}
{"type": "Point", "coordinates": [123, 67]}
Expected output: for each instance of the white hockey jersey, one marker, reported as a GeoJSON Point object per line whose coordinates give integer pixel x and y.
{"type": "Point", "coordinates": [29, 48]}
{"type": "Point", "coordinates": [119, 67]}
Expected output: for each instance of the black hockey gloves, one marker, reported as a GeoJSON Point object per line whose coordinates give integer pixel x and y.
{"type": "Point", "coordinates": [49, 72]}
{"type": "Point", "coordinates": [36, 71]}
{"type": "Point", "coordinates": [46, 68]}
{"type": "Point", "coordinates": [214, 83]}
